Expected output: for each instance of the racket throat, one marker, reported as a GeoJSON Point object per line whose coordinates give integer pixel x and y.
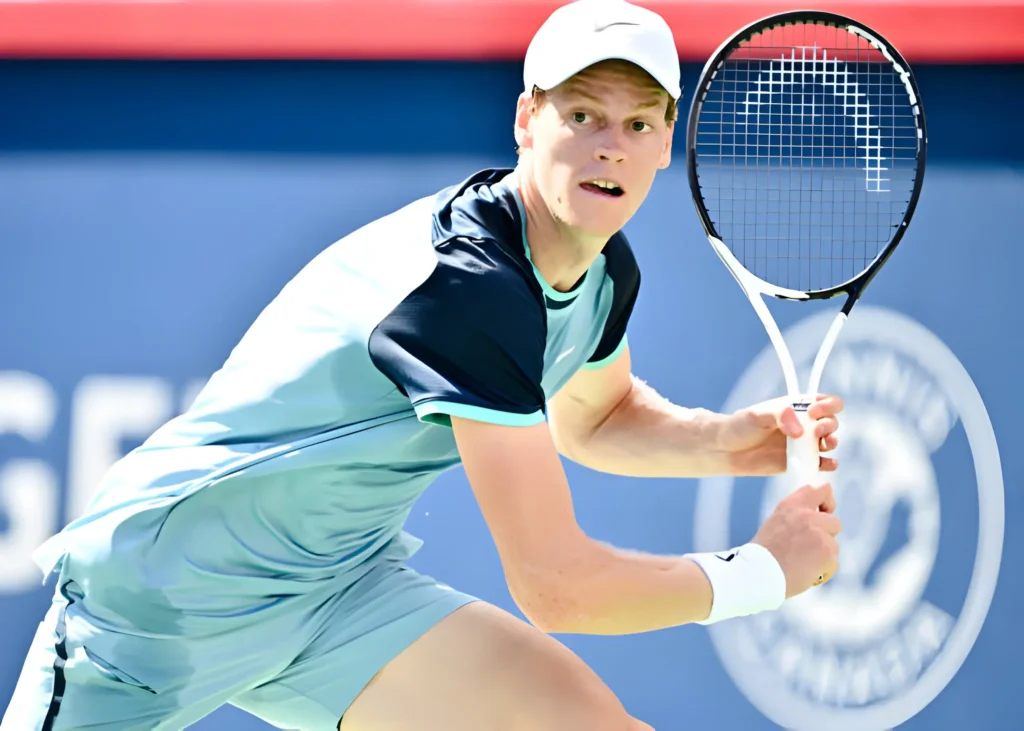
{"type": "Point", "coordinates": [818, 368]}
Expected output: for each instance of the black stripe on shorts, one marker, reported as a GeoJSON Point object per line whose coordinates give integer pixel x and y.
{"type": "Point", "coordinates": [58, 664]}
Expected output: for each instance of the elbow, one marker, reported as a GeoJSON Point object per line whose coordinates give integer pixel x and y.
{"type": "Point", "coordinates": [577, 447]}
{"type": "Point", "coordinates": [552, 599]}
{"type": "Point", "coordinates": [568, 445]}
{"type": "Point", "coordinates": [550, 615]}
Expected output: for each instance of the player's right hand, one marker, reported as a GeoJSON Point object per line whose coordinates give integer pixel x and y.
{"type": "Point", "coordinates": [801, 535]}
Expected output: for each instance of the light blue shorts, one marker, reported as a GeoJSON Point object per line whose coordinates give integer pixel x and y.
{"type": "Point", "coordinates": [156, 633]}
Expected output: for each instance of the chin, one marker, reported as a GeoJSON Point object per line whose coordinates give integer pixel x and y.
{"type": "Point", "coordinates": [594, 225]}
{"type": "Point", "coordinates": [596, 218]}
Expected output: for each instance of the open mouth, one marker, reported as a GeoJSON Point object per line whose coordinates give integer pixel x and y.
{"type": "Point", "coordinates": [602, 187]}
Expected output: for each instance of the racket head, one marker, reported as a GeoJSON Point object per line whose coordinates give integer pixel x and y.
{"type": "Point", "coordinates": [794, 223]}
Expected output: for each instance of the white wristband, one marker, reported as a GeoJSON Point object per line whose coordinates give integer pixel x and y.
{"type": "Point", "coordinates": [745, 581]}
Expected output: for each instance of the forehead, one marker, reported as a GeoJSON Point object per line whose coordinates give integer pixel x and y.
{"type": "Point", "coordinates": [611, 77]}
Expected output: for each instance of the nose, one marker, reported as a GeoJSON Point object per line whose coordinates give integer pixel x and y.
{"type": "Point", "coordinates": [611, 147]}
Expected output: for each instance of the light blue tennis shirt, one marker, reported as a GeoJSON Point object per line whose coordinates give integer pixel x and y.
{"type": "Point", "coordinates": [339, 395]}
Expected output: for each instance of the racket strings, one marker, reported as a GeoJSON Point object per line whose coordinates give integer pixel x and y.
{"type": "Point", "coordinates": [806, 153]}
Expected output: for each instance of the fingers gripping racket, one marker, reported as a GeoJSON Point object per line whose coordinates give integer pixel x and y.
{"type": "Point", "coordinates": [806, 153]}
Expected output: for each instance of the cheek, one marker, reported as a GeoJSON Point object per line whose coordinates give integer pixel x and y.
{"type": "Point", "coordinates": [649, 161]}
{"type": "Point", "coordinates": [554, 171]}
{"type": "Point", "coordinates": [555, 154]}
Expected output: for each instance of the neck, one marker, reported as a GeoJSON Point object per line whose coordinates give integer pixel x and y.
{"type": "Point", "coordinates": [561, 253]}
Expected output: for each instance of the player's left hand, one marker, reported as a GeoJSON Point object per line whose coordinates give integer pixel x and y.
{"type": "Point", "coordinates": [754, 438]}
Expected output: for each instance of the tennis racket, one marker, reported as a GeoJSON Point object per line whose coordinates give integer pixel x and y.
{"type": "Point", "coordinates": [805, 154]}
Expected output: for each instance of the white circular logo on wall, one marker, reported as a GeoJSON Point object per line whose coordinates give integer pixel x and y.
{"type": "Point", "coordinates": [881, 640]}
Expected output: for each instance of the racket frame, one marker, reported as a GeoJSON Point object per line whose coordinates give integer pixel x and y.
{"type": "Point", "coordinates": [803, 455]}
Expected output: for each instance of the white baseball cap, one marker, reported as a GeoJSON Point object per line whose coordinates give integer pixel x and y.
{"type": "Point", "coordinates": [585, 32]}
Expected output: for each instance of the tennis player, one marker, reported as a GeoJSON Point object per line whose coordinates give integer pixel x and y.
{"type": "Point", "coordinates": [252, 551]}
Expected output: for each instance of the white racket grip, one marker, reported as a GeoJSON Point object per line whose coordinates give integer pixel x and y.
{"type": "Point", "coordinates": [803, 457]}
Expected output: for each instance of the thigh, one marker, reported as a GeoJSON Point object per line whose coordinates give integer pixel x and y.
{"type": "Point", "coordinates": [399, 652]}
{"type": "Point", "coordinates": [482, 668]}
{"type": "Point", "coordinates": [355, 633]}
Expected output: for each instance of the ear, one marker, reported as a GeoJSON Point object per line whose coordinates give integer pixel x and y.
{"type": "Point", "coordinates": [524, 114]}
{"type": "Point", "coordinates": [666, 154]}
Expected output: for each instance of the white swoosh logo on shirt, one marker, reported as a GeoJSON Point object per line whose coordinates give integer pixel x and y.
{"type": "Point", "coordinates": [563, 355]}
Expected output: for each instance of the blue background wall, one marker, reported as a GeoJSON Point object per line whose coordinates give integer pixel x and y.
{"type": "Point", "coordinates": [149, 210]}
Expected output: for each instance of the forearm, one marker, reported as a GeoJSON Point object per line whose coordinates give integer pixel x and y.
{"type": "Point", "coordinates": [646, 435]}
{"type": "Point", "coordinates": [616, 592]}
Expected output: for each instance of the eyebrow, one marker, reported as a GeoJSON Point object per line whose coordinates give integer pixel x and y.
{"type": "Point", "coordinates": [586, 95]}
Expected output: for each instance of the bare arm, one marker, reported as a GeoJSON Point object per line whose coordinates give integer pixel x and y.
{"type": "Point", "coordinates": [611, 421]}
{"type": "Point", "coordinates": [561, 579]}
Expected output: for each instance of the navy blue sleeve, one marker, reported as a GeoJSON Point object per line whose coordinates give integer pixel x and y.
{"type": "Point", "coordinates": [470, 340]}
{"type": "Point", "coordinates": [621, 266]}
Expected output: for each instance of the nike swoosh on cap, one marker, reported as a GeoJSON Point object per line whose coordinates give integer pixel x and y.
{"type": "Point", "coordinates": [600, 26]}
